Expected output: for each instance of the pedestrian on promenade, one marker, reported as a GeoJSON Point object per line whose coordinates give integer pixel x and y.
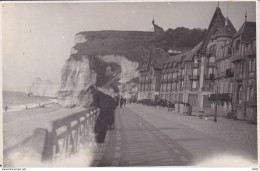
{"type": "Point", "coordinates": [121, 101]}
{"type": "Point", "coordinates": [117, 100]}
{"type": "Point", "coordinates": [124, 101]}
{"type": "Point", "coordinates": [107, 106]}
{"type": "Point", "coordinates": [6, 108]}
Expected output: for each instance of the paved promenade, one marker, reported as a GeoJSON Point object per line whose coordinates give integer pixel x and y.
{"type": "Point", "coordinates": [145, 136]}
{"type": "Point", "coordinates": [148, 136]}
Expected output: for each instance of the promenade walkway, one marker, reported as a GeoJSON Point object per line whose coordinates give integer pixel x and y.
{"type": "Point", "coordinates": [145, 137]}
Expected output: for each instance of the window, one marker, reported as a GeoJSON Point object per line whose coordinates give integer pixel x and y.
{"type": "Point", "coordinates": [195, 61]}
{"type": "Point", "coordinates": [251, 94]}
{"type": "Point", "coordinates": [212, 59]}
{"type": "Point", "coordinates": [230, 87]}
{"type": "Point", "coordinates": [194, 84]}
{"type": "Point", "coordinates": [237, 44]}
{"type": "Point", "coordinates": [241, 67]}
{"type": "Point", "coordinates": [210, 71]}
{"type": "Point", "coordinates": [240, 97]}
{"type": "Point", "coordinates": [173, 86]}
{"type": "Point", "coordinates": [248, 94]}
{"type": "Point", "coordinates": [169, 86]}
{"type": "Point", "coordinates": [251, 65]}
{"type": "Point", "coordinates": [195, 71]}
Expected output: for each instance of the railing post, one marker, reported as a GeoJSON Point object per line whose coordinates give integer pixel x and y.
{"type": "Point", "coordinates": [47, 154]}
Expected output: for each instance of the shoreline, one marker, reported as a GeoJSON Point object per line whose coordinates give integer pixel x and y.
{"type": "Point", "coordinates": [13, 108]}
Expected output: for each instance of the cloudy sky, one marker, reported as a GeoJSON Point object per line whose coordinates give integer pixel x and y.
{"type": "Point", "coordinates": [37, 37]}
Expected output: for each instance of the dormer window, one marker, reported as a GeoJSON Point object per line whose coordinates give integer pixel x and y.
{"type": "Point", "coordinates": [195, 60]}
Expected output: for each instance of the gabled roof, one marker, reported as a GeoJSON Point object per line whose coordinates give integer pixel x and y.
{"type": "Point", "coordinates": [187, 56]}
{"type": "Point", "coordinates": [217, 22]}
{"type": "Point", "coordinates": [247, 31]}
{"type": "Point", "coordinates": [193, 52]}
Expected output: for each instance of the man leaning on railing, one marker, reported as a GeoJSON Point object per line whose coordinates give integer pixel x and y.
{"type": "Point", "coordinates": [105, 119]}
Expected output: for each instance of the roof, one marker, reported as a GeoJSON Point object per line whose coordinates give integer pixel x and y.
{"type": "Point", "coordinates": [187, 56]}
{"type": "Point", "coordinates": [228, 29]}
{"type": "Point", "coordinates": [247, 31]}
{"type": "Point", "coordinates": [217, 21]}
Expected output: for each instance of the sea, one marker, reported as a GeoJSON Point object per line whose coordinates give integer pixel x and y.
{"type": "Point", "coordinates": [19, 100]}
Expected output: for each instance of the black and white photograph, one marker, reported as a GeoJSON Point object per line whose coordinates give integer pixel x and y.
{"type": "Point", "coordinates": [129, 84]}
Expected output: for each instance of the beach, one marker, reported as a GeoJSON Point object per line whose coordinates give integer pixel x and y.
{"type": "Point", "coordinates": [19, 127]}
{"type": "Point", "coordinates": [16, 101]}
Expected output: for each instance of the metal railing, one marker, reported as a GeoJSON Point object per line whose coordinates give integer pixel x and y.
{"type": "Point", "coordinates": [193, 77]}
{"type": "Point", "coordinates": [66, 136]}
{"type": "Point", "coordinates": [195, 65]}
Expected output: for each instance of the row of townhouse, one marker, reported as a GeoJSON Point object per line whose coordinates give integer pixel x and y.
{"type": "Point", "coordinates": [222, 67]}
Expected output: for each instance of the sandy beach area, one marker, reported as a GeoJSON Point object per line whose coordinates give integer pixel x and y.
{"type": "Point", "coordinates": [19, 125]}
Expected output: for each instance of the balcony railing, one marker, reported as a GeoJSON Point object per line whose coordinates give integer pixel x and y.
{"type": "Point", "coordinates": [149, 80]}
{"type": "Point", "coordinates": [170, 79]}
{"type": "Point", "coordinates": [220, 74]}
{"type": "Point", "coordinates": [239, 76]}
{"type": "Point", "coordinates": [193, 77]}
{"type": "Point", "coordinates": [209, 77]}
{"type": "Point", "coordinates": [211, 64]}
{"type": "Point", "coordinates": [164, 80]}
{"type": "Point", "coordinates": [252, 74]}
{"type": "Point", "coordinates": [175, 79]}
{"type": "Point", "coordinates": [221, 97]}
{"type": "Point", "coordinates": [180, 77]}
{"type": "Point", "coordinates": [229, 73]}
{"type": "Point", "coordinates": [236, 57]}
{"type": "Point", "coordinates": [251, 52]}
{"type": "Point", "coordinates": [194, 89]}
{"type": "Point", "coordinates": [195, 65]}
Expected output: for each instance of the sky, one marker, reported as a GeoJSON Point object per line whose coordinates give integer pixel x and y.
{"type": "Point", "coordinates": [37, 37]}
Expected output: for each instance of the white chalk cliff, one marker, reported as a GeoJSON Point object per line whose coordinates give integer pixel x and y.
{"type": "Point", "coordinates": [41, 87]}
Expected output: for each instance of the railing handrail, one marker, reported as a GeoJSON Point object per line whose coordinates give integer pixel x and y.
{"type": "Point", "coordinates": [70, 136]}
{"type": "Point", "coordinates": [57, 123]}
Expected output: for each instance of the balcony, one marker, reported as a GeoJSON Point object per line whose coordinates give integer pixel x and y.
{"type": "Point", "coordinates": [207, 88]}
{"type": "Point", "coordinates": [194, 89]}
{"type": "Point", "coordinates": [239, 76]}
{"type": "Point", "coordinates": [220, 75]}
{"type": "Point", "coordinates": [193, 77]}
{"type": "Point", "coordinates": [164, 80]}
{"type": "Point", "coordinates": [236, 58]}
{"type": "Point", "coordinates": [180, 77]}
{"type": "Point", "coordinates": [170, 79]}
{"type": "Point", "coordinates": [211, 64]}
{"type": "Point", "coordinates": [209, 77]}
{"type": "Point", "coordinates": [221, 97]}
{"type": "Point", "coordinates": [251, 52]}
{"type": "Point", "coordinates": [175, 79]}
{"type": "Point", "coordinates": [195, 65]}
{"type": "Point", "coordinates": [229, 73]}
{"type": "Point", "coordinates": [252, 74]}
{"type": "Point", "coordinates": [142, 81]}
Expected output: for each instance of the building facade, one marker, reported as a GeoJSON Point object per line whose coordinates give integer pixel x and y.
{"type": "Point", "coordinates": [218, 72]}
{"type": "Point", "coordinates": [244, 61]}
